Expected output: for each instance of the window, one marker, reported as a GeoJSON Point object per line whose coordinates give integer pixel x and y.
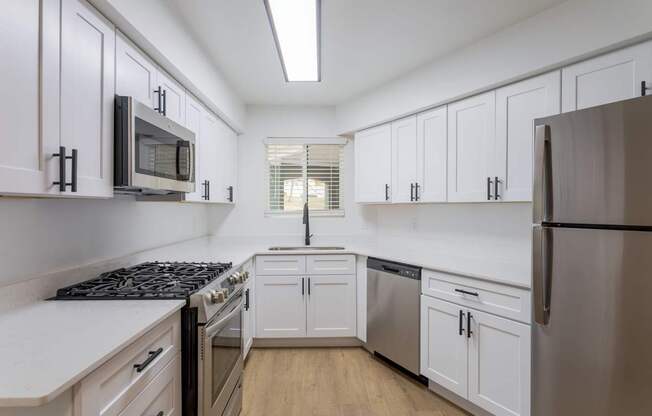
{"type": "Point", "coordinates": [300, 171]}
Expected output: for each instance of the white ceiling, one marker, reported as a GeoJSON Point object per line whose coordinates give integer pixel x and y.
{"type": "Point", "coordinates": [365, 43]}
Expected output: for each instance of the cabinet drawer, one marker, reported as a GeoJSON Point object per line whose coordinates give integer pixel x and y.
{"type": "Point", "coordinates": [331, 264]}
{"type": "Point", "coordinates": [109, 389]}
{"type": "Point", "coordinates": [280, 265]}
{"type": "Point", "coordinates": [161, 396]}
{"type": "Point", "coordinates": [507, 301]}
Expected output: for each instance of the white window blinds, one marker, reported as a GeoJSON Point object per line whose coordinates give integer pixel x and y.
{"type": "Point", "coordinates": [304, 172]}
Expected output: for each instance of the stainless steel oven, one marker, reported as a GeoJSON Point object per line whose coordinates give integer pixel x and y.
{"type": "Point", "coordinates": [153, 154]}
{"type": "Point", "coordinates": [220, 361]}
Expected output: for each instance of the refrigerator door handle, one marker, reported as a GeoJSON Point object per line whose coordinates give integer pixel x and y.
{"type": "Point", "coordinates": [542, 273]}
{"type": "Point", "coordinates": [542, 186]}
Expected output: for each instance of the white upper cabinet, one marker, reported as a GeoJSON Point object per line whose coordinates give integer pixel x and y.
{"type": "Point", "coordinates": [87, 96]}
{"type": "Point", "coordinates": [227, 162]}
{"type": "Point", "coordinates": [444, 348]}
{"type": "Point", "coordinates": [331, 306]}
{"type": "Point", "coordinates": [612, 77]}
{"type": "Point", "coordinates": [24, 158]}
{"type": "Point", "coordinates": [431, 156]}
{"type": "Point", "coordinates": [208, 155]}
{"type": "Point", "coordinates": [471, 143]}
{"type": "Point", "coordinates": [373, 164]}
{"type": "Point", "coordinates": [136, 75]}
{"type": "Point", "coordinates": [517, 106]}
{"type": "Point", "coordinates": [404, 157]}
{"type": "Point", "coordinates": [194, 115]}
{"type": "Point", "coordinates": [499, 365]}
{"type": "Point", "coordinates": [173, 98]}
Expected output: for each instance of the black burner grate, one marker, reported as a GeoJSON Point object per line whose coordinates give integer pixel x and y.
{"type": "Point", "coordinates": [153, 280]}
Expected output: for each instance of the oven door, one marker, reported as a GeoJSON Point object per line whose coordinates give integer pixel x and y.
{"type": "Point", "coordinates": [162, 152]}
{"type": "Point", "coordinates": [222, 357]}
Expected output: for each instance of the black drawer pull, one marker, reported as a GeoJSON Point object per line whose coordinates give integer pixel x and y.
{"type": "Point", "coordinates": [466, 292]}
{"type": "Point", "coordinates": [152, 355]}
{"type": "Point", "coordinates": [461, 328]}
{"type": "Point", "coordinates": [468, 325]}
{"type": "Point", "coordinates": [161, 413]}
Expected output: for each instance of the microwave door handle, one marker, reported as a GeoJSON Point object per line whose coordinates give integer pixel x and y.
{"type": "Point", "coordinates": [180, 176]}
{"type": "Point", "coordinates": [214, 328]}
{"type": "Point", "coordinates": [542, 185]}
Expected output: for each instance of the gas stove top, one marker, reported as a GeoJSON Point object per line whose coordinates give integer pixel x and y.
{"type": "Point", "coordinates": [153, 280]}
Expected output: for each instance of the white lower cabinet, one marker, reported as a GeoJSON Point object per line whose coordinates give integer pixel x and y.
{"type": "Point", "coordinates": [499, 364]}
{"type": "Point", "coordinates": [331, 306]}
{"type": "Point", "coordinates": [296, 304]}
{"type": "Point", "coordinates": [482, 358]}
{"type": "Point", "coordinates": [280, 307]}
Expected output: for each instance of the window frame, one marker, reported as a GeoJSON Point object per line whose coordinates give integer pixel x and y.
{"type": "Point", "coordinates": [304, 141]}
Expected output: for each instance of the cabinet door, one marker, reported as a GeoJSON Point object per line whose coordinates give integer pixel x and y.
{"type": "Point", "coordinates": [25, 159]}
{"type": "Point", "coordinates": [517, 106]}
{"type": "Point", "coordinates": [444, 351]}
{"type": "Point", "coordinates": [499, 365]}
{"type": "Point", "coordinates": [135, 73]}
{"type": "Point", "coordinates": [247, 320]}
{"type": "Point", "coordinates": [175, 98]}
{"type": "Point", "coordinates": [227, 163]}
{"type": "Point", "coordinates": [373, 164]}
{"type": "Point", "coordinates": [87, 95]}
{"type": "Point", "coordinates": [280, 306]}
{"type": "Point", "coordinates": [194, 114]}
{"type": "Point", "coordinates": [331, 307]}
{"type": "Point", "coordinates": [612, 77]}
{"type": "Point", "coordinates": [207, 156]}
{"type": "Point", "coordinates": [404, 157]}
{"type": "Point", "coordinates": [471, 141]}
{"type": "Point", "coordinates": [431, 155]}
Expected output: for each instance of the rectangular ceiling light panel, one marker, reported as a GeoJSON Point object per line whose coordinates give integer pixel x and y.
{"type": "Point", "coordinates": [296, 26]}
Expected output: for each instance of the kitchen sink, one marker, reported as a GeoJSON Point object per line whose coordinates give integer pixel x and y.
{"type": "Point", "coordinates": [301, 248]}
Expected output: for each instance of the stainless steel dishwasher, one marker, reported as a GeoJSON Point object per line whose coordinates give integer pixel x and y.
{"type": "Point", "coordinates": [393, 312]}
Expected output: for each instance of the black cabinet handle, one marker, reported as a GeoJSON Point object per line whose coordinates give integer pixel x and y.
{"type": "Point", "coordinates": [161, 413]}
{"type": "Point", "coordinates": [73, 183]}
{"type": "Point", "coordinates": [466, 292]}
{"type": "Point", "coordinates": [230, 189]}
{"type": "Point", "coordinates": [308, 286]}
{"type": "Point", "coordinates": [158, 106]}
{"type": "Point", "coordinates": [489, 182]}
{"type": "Point", "coordinates": [62, 168]}
{"type": "Point", "coordinates": [461, 328]}
{"type": "Point", "coordinates": [468, 324]}
{"type": "Point", "coordinates": [303, 286]}
{"type": "Point", "coordinates": [208, 190]}
{"type": "Point", "coordinates": [496, 194]}
{"type": "Point", "coordinates": [411, 192]}
{"type": "Point", "coordinates": [644, 88]}
{"type": "Point", "coordinates": [152, 355]}
{"type": "Point", "coordinates": [246, 305]}
{"type": "Point", "coordinates": [386, 192]}
{"type": "Point", "coordinates": [205, 185]}
{"type": "Point", "coordinates": [165, 102]}
{"type": "Point", "coordinates": [417, 197]}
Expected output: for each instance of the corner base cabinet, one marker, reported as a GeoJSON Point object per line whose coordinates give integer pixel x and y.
{"type": "Point", "coordinates": [305, 296]}
{"type": "Point", "coordinates": [481, 357]}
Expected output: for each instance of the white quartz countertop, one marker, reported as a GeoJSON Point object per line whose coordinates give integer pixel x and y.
{"type": "Point", "coordinates": [48, 346]}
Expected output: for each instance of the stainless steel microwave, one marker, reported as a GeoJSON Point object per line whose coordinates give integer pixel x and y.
{"type": "Point", "coordinates": [153, 154]}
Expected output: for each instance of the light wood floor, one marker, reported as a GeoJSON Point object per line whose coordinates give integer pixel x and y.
{"type": "Point", "coordinates": [333, 382]}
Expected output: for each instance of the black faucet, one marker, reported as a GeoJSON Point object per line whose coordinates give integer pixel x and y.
{"type": "Point", "coordinates": [306, 221]}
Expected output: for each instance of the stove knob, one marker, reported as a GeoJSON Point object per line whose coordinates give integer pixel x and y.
{"type": "Point", "coordinates": [245, 276]}
{"type": "Point", "coordinates": [209, 296]}
{"type": "Point", "coordinates": [219, 296]}
{"type": "Point", "coordinates": [225, 291]}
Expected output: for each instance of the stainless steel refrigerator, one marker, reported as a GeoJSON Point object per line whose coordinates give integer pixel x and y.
{"type": "Point", "coordinates": [592, 262]}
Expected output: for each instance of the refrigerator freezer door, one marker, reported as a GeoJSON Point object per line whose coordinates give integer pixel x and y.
{"type": "Point", "coordinates": [593, 356]}
{"type": "Point", "coordinates": [594, 166]}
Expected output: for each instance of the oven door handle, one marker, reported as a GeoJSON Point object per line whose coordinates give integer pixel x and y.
{"type": "Point", "coordinates": [213, 328]}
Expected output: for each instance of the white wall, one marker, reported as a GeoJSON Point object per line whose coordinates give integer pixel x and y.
{"type": "Point", "coordinates": [155, 27]}
{"type": "Point", "coordinates": [40, 236]}
{"type": "Point", "coordinates": [247, 219]}
{"type": "Point", "coordinates": [560, 35]}
{"type": "Point", "coordinates": [486, 239]}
